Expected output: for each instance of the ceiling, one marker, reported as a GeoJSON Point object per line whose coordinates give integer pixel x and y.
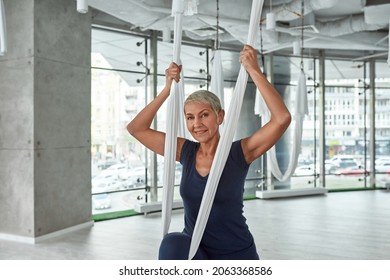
{"type": "Point", "coordinates": [352, 29]}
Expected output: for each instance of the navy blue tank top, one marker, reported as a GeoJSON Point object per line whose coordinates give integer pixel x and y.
{"type": "Point", "coordinates": [226, 230]}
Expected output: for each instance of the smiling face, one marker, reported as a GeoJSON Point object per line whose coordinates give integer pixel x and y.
{"type": "Point", "coordinates": [202, 121]}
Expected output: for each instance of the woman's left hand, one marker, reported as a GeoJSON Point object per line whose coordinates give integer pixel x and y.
{"type": "Point", "coordinates": [248, 58]}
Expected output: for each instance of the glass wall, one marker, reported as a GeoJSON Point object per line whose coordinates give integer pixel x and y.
{"type": "Point", "coordinates": [118, 91]}
{"type": "Point", "coordinates": [347, 123]}
{"type": "Point", "coordinates": [382, 125]}
{"type": "Point", "coordinates": [306, 172]}
{"type": "Point", "coordinates": [346, 114]}
{"type": "Point", "coordinates": [123, 170]}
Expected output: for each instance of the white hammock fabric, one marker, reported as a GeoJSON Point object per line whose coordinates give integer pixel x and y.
{"type": "Point", "coordinates": [388, 53]}
{"type": "Point", "coordinates": [301, 109]}
{"type": "Point", "coordinates": [3, 33]}
{"type": "Point", "coordinates": [226, 139]}
{"type": "Point", "coordinates": [216, 85]}
{"type": "Point", "coordinates": [173, 115]}
{"type": "Point", "coordinates": [182, 130]}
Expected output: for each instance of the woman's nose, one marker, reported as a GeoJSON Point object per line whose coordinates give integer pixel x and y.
{"type": "Point", "coordinates": [197, 122]}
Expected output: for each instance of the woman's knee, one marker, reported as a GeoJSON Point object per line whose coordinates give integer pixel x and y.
{"type": "Point", "coordinates": [176, 246]}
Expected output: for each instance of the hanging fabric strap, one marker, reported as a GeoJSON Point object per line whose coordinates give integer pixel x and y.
{"type": "Point", "coordinates": [301, 109]}
{"type": "Point", "coordinates": [388, 54]}
{"type": "Point", "coordinates": [3, 33]}
{"type": "Point", "coordinates": [173, 115]}
{"type": "Point", "coordinates": [216, 85]}
{"type": "Point", "coordinates": [226, 139]}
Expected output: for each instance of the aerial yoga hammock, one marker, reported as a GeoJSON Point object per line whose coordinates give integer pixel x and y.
{"type": "Point", "coordinates": [388, 53]}
{"type": "Point", "coordinates": [216, 85]}
{"type": "Point", "coordinates": [225, 140]}
{"type": "Point", "coordinates": [301, 109]}
{"type": "Point", "coordinates": [174, 116]}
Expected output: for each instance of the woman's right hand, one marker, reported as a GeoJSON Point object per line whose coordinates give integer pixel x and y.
{"type": "Point", "coordinates": [173, 73]}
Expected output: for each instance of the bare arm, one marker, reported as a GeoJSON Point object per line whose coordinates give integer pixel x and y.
{"type": "Point", "coordinates": [265, 137]}
{"type": "Point", "coordinates": [140, 128]}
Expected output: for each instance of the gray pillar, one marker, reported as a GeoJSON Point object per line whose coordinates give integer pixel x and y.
{"type": "Point", "coordinates": [321, 119]}
{"type": "Point", "coordinates": [153, 86]}
{"type": "Point", "coordinates": [269, 67]}
{"type": "Point", "coordinates": [281, 78]}
{"type": "Point", "coordinates": [372, 124]}
{"type": "Point", "coordinates": [45, 162]}
{"type": "Point", "coordinates": [248, 123]}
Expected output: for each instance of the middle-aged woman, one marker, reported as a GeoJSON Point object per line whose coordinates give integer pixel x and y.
{"type": "Point", "coordinates": [226, 235]}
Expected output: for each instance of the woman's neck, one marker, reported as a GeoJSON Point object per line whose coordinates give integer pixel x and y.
{"type": "Point", "coordinates": [209, 148]}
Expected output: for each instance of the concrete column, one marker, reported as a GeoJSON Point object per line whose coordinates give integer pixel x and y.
{"type": "Point", "coordinates": [45, 162]}
{"type": "Point", "coordinates": [153, 93]}
{"type": "Point", "coordinates": [248, 123]}
{"type": "Point", "coordinates": [281, 79]}
{"type": "Point", "coordinates": [321, 119]}
{"type": "Point", "coordinates": [372, 124]}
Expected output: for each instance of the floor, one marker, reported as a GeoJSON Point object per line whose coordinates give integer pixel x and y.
{"type": "Point", "coordinates": [335, 226]}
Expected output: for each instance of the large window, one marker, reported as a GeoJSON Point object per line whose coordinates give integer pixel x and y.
{"type": "Point", "coordinates": [347, 123]}
{"type": "Point", "coordinates": [122, 169]}
{"type": "Point", "coordinates": [382, 125]}
{"type": "Point", "coordinates": [118, 161]}
{"type": "Point", "coordinates": [125, 173]}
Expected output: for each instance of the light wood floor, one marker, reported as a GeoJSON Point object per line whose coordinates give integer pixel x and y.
{"type": "Point", "coordinates": [336, 226]}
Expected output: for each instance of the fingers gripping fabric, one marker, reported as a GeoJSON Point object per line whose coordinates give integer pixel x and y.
{"type": "Point", "coordinates": [226, 138]}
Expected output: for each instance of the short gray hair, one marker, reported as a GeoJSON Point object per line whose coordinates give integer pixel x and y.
{"type": "Point", "coordinates": [205, 96]}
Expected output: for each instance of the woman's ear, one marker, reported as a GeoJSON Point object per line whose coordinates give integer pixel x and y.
{"type": "Point", "coordinates": [221, 116]}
